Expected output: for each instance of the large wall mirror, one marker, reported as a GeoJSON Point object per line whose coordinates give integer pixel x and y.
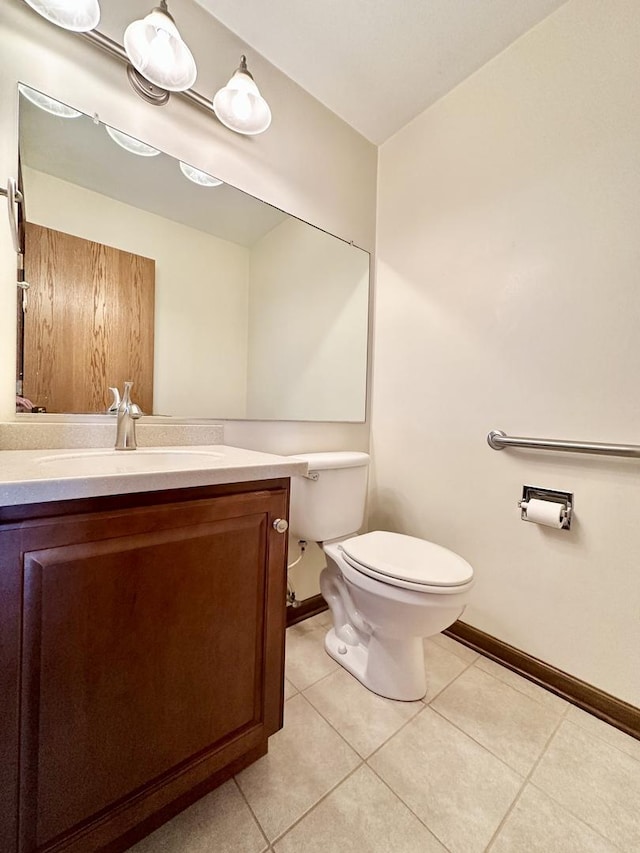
{"type": "Point", "coordinates": [140, 267]}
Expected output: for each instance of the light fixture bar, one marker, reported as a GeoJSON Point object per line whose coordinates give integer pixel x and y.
{"type": "Point", "coordinates": [108, 45]}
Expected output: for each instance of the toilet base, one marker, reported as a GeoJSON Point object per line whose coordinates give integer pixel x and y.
{"type": "Point", "coordinates": [393, 668]}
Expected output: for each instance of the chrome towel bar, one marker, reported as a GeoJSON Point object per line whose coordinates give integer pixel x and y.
{"type": "Point", "coordinates": [498, 440]}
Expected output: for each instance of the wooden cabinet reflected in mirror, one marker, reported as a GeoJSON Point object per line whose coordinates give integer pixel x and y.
{"type": "Point", "coordinates": [88, 323]}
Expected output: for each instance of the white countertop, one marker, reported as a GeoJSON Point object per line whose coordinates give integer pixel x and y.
{"type": "Point", "coordinates": [34, 476]}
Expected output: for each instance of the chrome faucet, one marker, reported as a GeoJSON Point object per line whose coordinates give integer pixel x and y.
{"type": "Point", "coordinates": [128, 414]}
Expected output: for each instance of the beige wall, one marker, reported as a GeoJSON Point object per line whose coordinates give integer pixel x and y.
{"type": "Point", "coordinates": [308, 300]}
{"type": "Point", "coordinates": [287, 166]}
{"type": "Point", "coordinates": [202, 292]}
{"type": "Point", "coordinates": [508, 297]}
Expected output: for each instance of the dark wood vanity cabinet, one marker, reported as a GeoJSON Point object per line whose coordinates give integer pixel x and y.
{"type": "Point", "coordinates": [142, 651]}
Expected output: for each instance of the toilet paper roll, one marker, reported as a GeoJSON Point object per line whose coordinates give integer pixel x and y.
{"type": "Point", "coordinates": [545, 512]}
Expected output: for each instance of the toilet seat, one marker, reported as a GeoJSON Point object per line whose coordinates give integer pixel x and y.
{"type": "Point", "coordinates": [407, 562]}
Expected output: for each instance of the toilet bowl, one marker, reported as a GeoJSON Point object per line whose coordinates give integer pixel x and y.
{"type": "Point", "coordinates": [386, 591]}
{"type": "Point", "coordinates": [380, 619]}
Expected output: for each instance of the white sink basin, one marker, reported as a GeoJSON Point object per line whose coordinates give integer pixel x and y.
{"type": "Point", "coordinates": [84, 463]}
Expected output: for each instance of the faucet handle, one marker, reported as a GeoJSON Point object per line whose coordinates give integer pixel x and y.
{"type": "Point", "coordinates": [135, 411]}
{"type": "Point", "coordinates": [115, 402]}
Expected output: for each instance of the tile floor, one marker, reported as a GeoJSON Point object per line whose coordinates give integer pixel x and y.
{"type": "Point", "coordinates": [486, 762]}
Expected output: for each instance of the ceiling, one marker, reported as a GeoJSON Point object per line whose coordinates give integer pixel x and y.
{"type": "Point", "coordinates": [379, 63]}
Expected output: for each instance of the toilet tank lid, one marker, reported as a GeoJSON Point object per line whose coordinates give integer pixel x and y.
{"type": "Point", "coordinates": [334, 459]}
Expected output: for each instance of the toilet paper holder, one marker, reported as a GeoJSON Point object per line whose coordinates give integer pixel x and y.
{"type": "Point", "coordinates": [553, 495]}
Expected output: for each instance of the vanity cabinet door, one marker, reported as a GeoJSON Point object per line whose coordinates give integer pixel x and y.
{"type": "Point", "coordinates": [152, 660]}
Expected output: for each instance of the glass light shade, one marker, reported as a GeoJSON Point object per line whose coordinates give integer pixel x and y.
{"type": "Point", "coordinates": [202, 179]}
{"type": "Point", "coordinates": [79, 16]}
{"type": "Point", "coordinates": [157, 51]}
{"type": "Point", "coordinates": [130, 143]}
{"type": "Point", "coordinates": [49, 105]}
{"type": "Point", "coordinates": [240, 106]}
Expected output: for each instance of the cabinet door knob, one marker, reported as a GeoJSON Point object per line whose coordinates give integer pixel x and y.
{"type": "Point", "coordinates": [281, 525]}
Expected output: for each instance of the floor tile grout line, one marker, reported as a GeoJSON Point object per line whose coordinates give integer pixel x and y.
{"type": "Point", "coordinates": [568, 809]}
{"type": "Point", "coordinates": [499, 681]}
{"type": "Point", "coordinates": [317, 803]}
{"type": "Point", "coordinates": [466, 734]}
{"type": "Point", "coordinates": [329, 723]}
{"type": "Point", "coordinates": [470, 663]}
{"type": "Point", "coordinates": [428, 704]}
{"type": "Point", "coordinates": [529, 781]}
{"type": "Point", "coordinates": [445, 686]}
{"type": "Point", "coordinates": [386, 740]}
{"type": "Point", "coordinates": [320, 678]}
{"type": "Point", "coordinates": [561, 717]}
{"type": "Point", "coordinates": [524, 693]}
{"type": "Point", "coordinates": [477, 742]}
{"type": "Point", "coordinates": [567, 702]}
{"type": "Point", "coordinates": [600, 738]}
{"type": "Point", "coordinates": [565, 711]}
{"type": "Point", "coordinates": [341, 736]}
{"type": "Point", "coordinates": [425, 705]}
{"type": "Point", "coordinates": [361, 761]}
{"type": "Point", "coordinates": [323, 678]}
{"type": "Point", "coordinates": [407, 806]}
{"type": "Point", "coordinates": [313, 683]}
{"type": "Point", "coordinates": [322, 630]}
{"type": "Point", "coordinates": [253, 814]}
{"type": "Point", "coordinates": [397, 732]}
{"type": "Point", "coordinates": [292, 685]}
{"type": "Point", "coordinates": [338, 668]}
{"type": "Point", "coordinates": [526, 781]}
{"type": "Point", "coordinates": [449, 648]}
{"type": "Point", "coordinates": [580, 819]}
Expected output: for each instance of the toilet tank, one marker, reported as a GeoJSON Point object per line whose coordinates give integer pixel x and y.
{"type": "Point", "coordinates": [330, 505]}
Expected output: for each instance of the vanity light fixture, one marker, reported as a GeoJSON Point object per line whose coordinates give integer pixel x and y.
{"type": "Point", "coordinates": [202, 179]}
{"type": "Point", "coordinates": [240, 106]}
{"type": "Point", "coordinates": [49, 105]}
{"type": "Point", "coordinates": [159, 62]}
{"type": "Point", "coordinates": [130, 143]}
{"type": "Point", "coordinates": [79, 16]}
{"type": "Point", "coordinates": [157, 51]}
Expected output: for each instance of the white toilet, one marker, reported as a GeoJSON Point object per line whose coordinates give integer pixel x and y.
{"type": "Point", "coordinates": [386, 591]}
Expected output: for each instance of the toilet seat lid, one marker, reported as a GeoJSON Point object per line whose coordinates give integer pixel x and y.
{"type": "Point", "coordinates": [406, 558]}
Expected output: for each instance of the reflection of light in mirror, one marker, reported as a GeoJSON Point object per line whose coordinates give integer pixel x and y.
{"type": "Point", "coordinates": [47, 104]}
{"type": "Point", "coordinates": [157, 51]}
{"type": "Point", "coordinates": [202, 179]}
{"type": "Point", "coordinates": [240, 106]}
{"type": "Point", "coordinates": [80, 16]}
{"type": "Point", "coordinates": [129, 143]}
